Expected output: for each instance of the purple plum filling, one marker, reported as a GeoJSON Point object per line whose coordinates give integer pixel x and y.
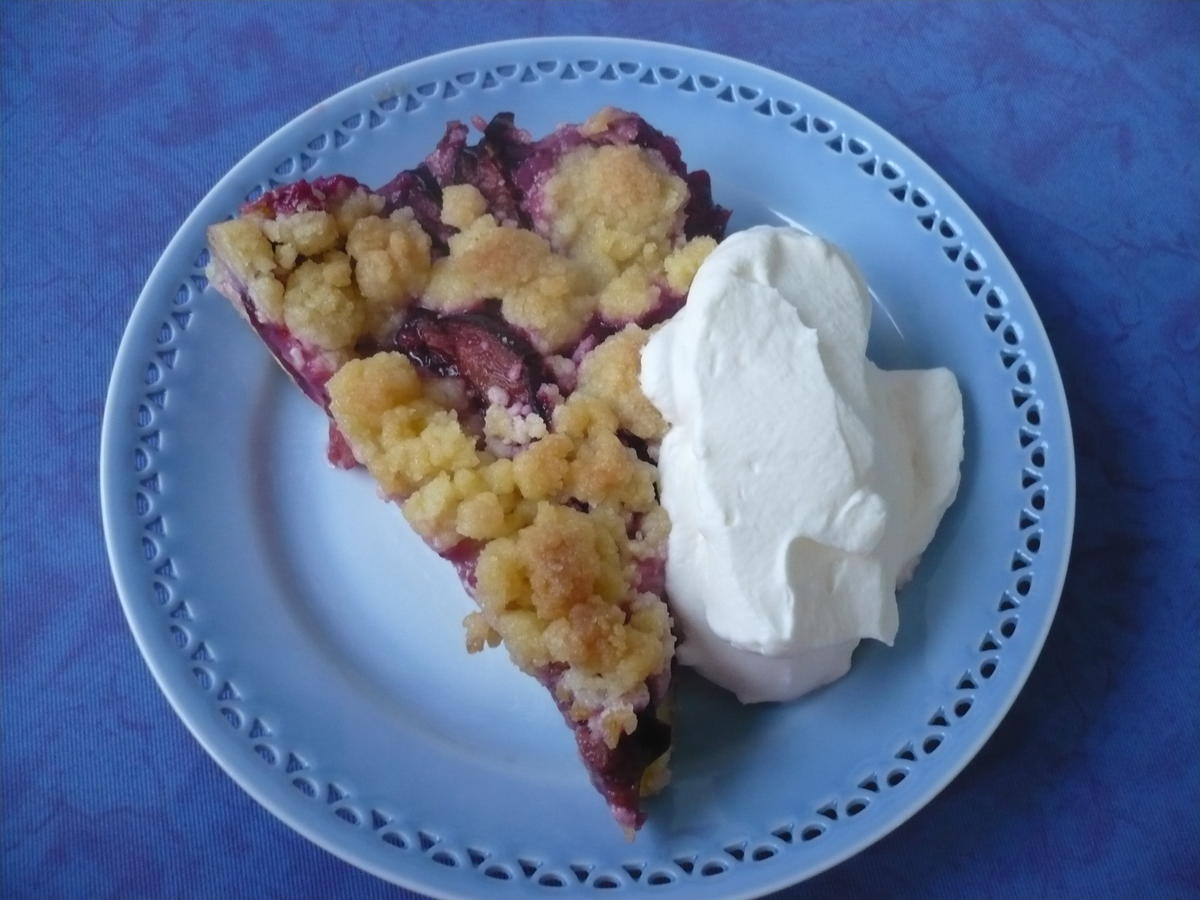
{"type": "Point", "coordinates": [616, 772]}
{"type": "Point", "coordinates": [303, 196]}
{"type": "Point", "coordinates": [484, 351]}
{"type": "Point", "coordinates": [419, 191]}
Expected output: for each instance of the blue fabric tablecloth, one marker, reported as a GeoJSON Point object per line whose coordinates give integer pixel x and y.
{"type": "Point", "coordinates": [1071, 129]}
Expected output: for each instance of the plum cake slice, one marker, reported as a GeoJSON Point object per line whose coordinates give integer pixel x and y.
{"type": "Point", "coordinates": [473, 331]}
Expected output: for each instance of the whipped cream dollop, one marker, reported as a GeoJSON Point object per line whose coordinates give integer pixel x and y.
{"type": "Point", "coordinates": [802, 482]}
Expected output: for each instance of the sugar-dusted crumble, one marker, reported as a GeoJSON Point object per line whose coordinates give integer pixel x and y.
{"type": "Point", "coordinates": [638, 650]}
{"type": "Point", "coordinates": [457, 505]}
{"type": "Point", "coordinates": [509, 427]}
{"type": "Point", "coordinates": [616, 210]}
{"type": "Point", "coordinates": [407, 441]}
{"type": "Point", "coordinates": [610, 372]}
{"type": "Point", "coordinates": [605, 471]}
{"type": "Point", "coordinates": [555, 583]}
{"type": "Point", "coordinates": [630, 295]}
{"type": "Point", "coordinates": [613, 205]}
{"type": "Point", "coordinates": [541, 292]}
{"type": "Point", "coordinates": [682, 265]}
{"type": "Point", "coordinates": [583, 414]}
{"type": "Point", "coordinates": [479, 633]}
{"type": "Point", "coordinates": [354, 206]}
{"type": "Point", "coordinates": [329, 275]}
{"type": "Point", "coordinates": [321, 302]}
{"type": "Point", "coordinates": [542, 471]}
{"type": "Point", "coordinates": [306, 233]}
{"type": "Point", "coordinates": [395, 430]}
{"type": "Point", "coordinates": [241, 245]}
{"type": "Point", "coordinates": [391, 262]}
{"type": "Point", "coordinates": [557, 592]}
{"type": "Point", "coordinates": [462, 204]}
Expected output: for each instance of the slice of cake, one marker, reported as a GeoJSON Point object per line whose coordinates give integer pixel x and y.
{"type": "Point", "coordinates": [473, 329]}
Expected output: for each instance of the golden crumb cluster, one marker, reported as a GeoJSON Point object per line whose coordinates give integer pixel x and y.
{"type": "Point", "coordinates": [610, 373]}
{"type": "Point", "coordinates": [614, 210]}
{"type": "Point", "coordinates": [399, 432]}
{"type": "Point", "coordinates": [508, 428]}
{"type": "Point", "coordinates": [556, 592]}
{"type": "Point", "coordinates": [462, 204]}
{"type": "Point", "coordinates": [556, 584]}
{"type": "Point", "coordinates": [539, 291]}
{"type": "Point", "coordinates": [331, 277]}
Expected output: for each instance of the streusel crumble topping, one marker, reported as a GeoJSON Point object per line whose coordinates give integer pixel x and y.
{"type": "Point", "coordinates": [561, 505]}
{"type": "Point", "coordinates": [555, 583]}
{"type": "Point", "coordinates": [473, 329]}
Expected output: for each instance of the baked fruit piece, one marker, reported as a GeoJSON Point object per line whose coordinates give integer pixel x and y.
{"type": "Point", "coordinates": [473, 329]}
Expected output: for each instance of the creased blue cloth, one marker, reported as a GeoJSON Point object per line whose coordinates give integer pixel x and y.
{"type": "Point", "coordinates": [1072, 130]}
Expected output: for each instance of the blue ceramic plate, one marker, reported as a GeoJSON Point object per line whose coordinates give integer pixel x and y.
{"type": "Point", "coordinates": [313, 645]}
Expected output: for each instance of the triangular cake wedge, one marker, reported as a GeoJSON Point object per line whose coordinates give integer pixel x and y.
{"type": "Point", "coordinates": [473, 330]}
